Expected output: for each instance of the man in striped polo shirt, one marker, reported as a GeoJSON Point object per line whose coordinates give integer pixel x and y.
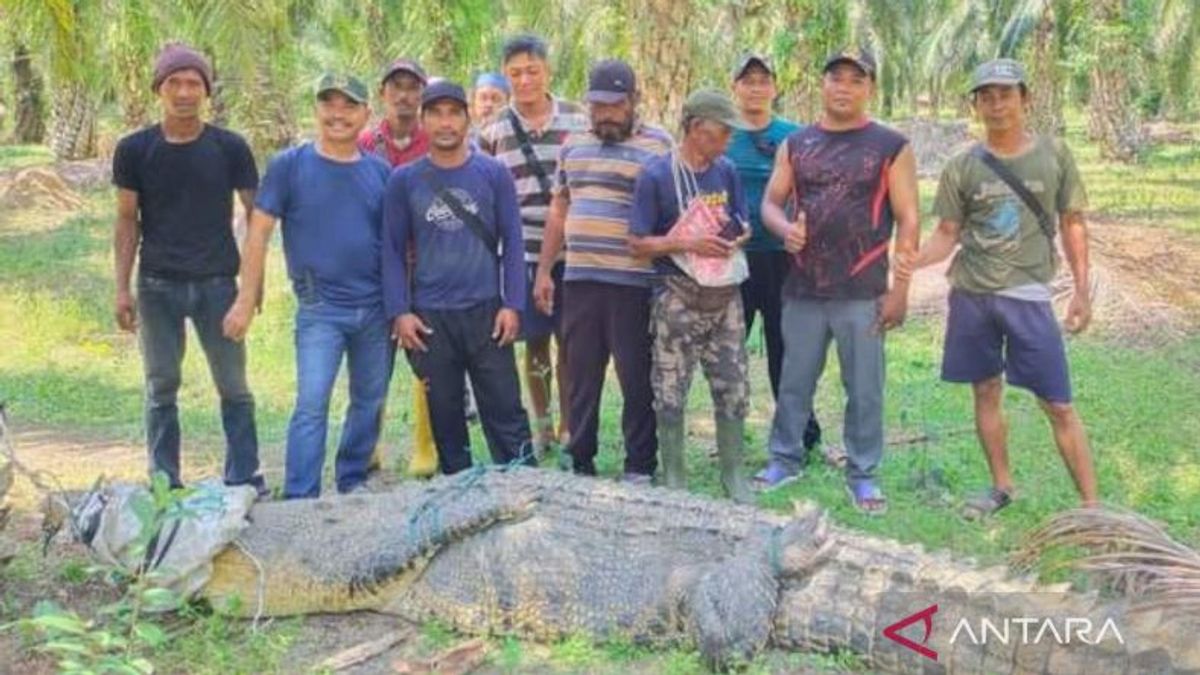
{"type": "Point", "coordinates": [526, 137]}
{"type": "Point", "coordinates": [606, 296]}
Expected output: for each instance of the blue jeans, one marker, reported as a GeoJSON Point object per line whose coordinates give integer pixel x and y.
{"type": "Point", "coordinates": [163, 307]}
{"type": "Point", "coordinates": [324, 334]}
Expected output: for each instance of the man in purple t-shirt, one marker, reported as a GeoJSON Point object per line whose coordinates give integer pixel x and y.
{"type": "Point", "coordinates": [854, 181]}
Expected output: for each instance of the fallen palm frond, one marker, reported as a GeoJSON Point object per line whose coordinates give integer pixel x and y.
{"type": "Point", "coordinates": [1126, 551]}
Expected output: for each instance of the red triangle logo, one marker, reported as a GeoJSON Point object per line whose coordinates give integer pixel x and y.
{"type": "Point", "coordinates": [925, 616]}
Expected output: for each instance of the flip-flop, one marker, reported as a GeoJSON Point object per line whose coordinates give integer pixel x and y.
{"type": "Point", "coordinates": [986, 503]}
{"type": "Point", "coordinates": [866, 497]}
{"type": "Point", "coordinates": [774, 476]}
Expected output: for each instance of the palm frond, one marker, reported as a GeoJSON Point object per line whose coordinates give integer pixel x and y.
{"type": "Point", "coordinates": [1025, 16]}
{"type": "Point", "coordinates": [1124, 550]}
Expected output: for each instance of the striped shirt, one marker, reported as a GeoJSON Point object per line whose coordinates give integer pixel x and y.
{"type": "Point", "coordinates": [598, 178]}
{"type": "Point", "coordinates": [499, 139]}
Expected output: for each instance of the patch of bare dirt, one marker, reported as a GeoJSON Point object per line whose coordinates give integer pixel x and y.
{"type": "Point", "coordinates": [1145, 283]}
{"type": "Point", "coordinates": [37, 187]}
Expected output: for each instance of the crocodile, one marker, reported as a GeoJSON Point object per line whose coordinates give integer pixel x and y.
{"type": "Point", "coordinates": [546, 555]}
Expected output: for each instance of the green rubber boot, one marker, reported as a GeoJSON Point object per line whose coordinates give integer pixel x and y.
{"type": "Point", "coordinates": [670, 450]}
{"type": "Point", "coordinates": [729, 458]}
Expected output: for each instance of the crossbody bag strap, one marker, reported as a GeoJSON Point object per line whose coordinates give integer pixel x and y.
{"type": "Point", "coordinates": [1017, 186]}
{"type": "Point", "coordinates": [531, 157]}
{"type": "Point", "coordinates": [473, 222]}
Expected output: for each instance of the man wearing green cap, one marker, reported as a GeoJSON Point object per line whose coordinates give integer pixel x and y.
{"type": "Point", "coordinates": [329, 195]}
{"type": "Point", "coordinates": [1000, 204]}
{"type": "Point", "coordinates": [692, 319]}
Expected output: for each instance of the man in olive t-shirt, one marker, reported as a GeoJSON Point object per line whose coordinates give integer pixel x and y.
{"type": "Point", "coordinates": [1001, 321]}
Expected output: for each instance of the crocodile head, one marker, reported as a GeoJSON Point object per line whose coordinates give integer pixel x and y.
{"type": "Point", "coordinates": [803, 543]}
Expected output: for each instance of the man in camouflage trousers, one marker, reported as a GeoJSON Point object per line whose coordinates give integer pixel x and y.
{"type": "Point", "coordinates": [693, 323]}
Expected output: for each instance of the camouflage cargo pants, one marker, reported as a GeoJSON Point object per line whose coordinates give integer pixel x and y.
{"type": "Point", "coordinates": [693, 324]}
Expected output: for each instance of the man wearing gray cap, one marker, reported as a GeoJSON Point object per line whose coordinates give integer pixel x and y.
{"type": "Point", "coordinates": [175, 184]}
{"type": "Point", "coordinates": [1001, 203]}
{"type": "Point", "coordinates": [606, 298]}
{"type": "Point", "coordinates": [697, 320]}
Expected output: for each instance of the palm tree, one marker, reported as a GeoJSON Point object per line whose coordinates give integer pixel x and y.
{"type": "Point", "coordinates": [1177, 44]}
{"type": "Point", "coordinates": [29, 127]}
{"type": "Point", "coordinates": [1113, 121]}
{"type": "Point", "coordinates": [59, 27]}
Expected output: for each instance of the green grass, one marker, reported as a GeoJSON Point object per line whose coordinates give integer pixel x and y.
{"type": "Point", "coordinates": [63, 364]}
{"type": "Point", "coordinates": [21, 156]}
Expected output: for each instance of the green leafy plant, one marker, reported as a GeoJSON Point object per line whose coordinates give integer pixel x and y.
{"type": "Point", "coordinates": [119, 637]}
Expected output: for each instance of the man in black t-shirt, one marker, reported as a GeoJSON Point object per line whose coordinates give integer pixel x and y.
{"type": "Point", "coordinates": [175, 182]}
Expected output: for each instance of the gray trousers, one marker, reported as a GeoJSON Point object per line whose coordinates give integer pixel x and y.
{"type": "Point", "coordinates": [808, 327]}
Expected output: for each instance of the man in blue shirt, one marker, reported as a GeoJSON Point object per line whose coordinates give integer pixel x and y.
{"type": "Point", "coordinates": [459, 309]}
{"type": "Point", "coordinates": [329, 196]}
{"type": "Point", "coordinates": [752, 151]}
{"type": "Point", "coordinates": [694, 323]}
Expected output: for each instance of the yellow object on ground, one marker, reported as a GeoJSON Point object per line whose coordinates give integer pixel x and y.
{"type": "Point", "coordinates": [424, 460]}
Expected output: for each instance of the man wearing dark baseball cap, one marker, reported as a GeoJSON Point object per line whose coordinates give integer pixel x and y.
{"type": "Point", "coordinates": [861, 59]}
{"type": "Point", "coordinates": [752, 151]}
{"type": "Point", "coordinates": [398, 138]}
{"type": "Point", "coordinates": [459, 311]}
{"type": "Point", "coordinates": [695, 323]}
{"type": "Point", "coordinates": [175, 185]}
{"type": "Point", "coordinates": [855, 184]}
{"type": "Point", "coordinates": [328, 195]}
{"type": "Point", "coordinates": [606, 297]}
{"type": "Point", "coordinates": [1001, 204]}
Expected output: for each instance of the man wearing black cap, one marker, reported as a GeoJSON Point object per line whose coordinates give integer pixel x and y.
{"type": "Point", "coordinates": [175, 183]}
{"type": "Point", "coordinates": [854, 181]}
{"type": "Point", "coordinates": [398, 138]}
{"type": "Point", "coordinates": [606, 298]}
{"type": "Point", "coordinates": [1000, 204]}
{"type": "Point", "coordinates": [752, 151]}
{"type": "Point", "coordinates": [329, 196]}
{"type": "Point", "coordinates": [461, 311]}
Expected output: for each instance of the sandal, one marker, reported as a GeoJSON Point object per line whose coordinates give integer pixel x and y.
{"type": "Point", "coordinates": [986, 504]}
{"type": "Point", "coordinates": [774, 476]}
{"type": "Point", "coordinates": [866, 497]}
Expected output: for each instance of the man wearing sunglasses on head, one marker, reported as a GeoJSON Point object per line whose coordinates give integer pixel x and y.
{"type": "Point", "coordinates": [752, 151]}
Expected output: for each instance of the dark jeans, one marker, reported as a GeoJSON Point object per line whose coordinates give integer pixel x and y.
{"type": "Point", "coordinates": [163, 307]}
{"type": "Point", "coordinates": [762, 293]}
{"type": "Point", "coordinates": [325, 334]}
{"type": "Point", "coordinates": [599, 320]}
{"type": "Point", "coordinates": [461, 343]}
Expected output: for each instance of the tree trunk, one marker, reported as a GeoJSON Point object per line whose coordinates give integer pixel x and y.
{"type": "Point", "coordinates": [30, 126]}
{"type": "Point", "coordinates": [73, 122]}
{"type": "Point", "coordinates": [804, 93]}
{"type": "Point", "coordinates": [1112, 117]}
{"type": "Point", "coordinates": [662, 56]}
{"type": "Point", "coordinates": [1046, 113]}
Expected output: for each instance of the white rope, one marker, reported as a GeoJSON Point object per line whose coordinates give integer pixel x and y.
{"type": "Point", "coordinates": [260, 586]}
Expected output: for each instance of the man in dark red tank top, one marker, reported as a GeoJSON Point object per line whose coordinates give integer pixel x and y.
{"type": "Point", "coordinates": [854, 182]}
